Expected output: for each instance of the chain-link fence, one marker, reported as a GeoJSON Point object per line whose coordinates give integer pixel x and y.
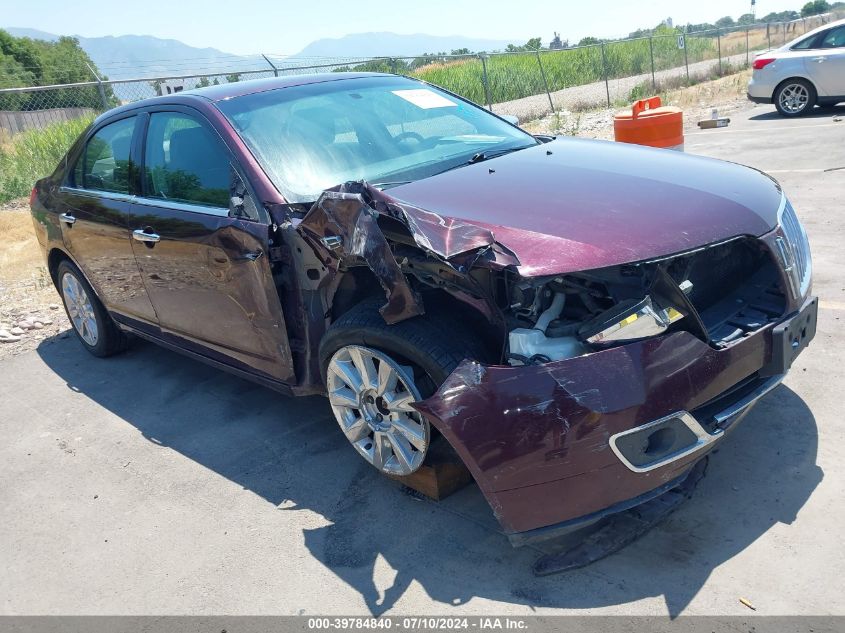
{"type": "Point", "coordinates": [527, 84]}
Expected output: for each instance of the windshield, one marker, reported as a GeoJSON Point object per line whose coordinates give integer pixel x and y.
{"type": "Point", "coordinates": [386, 130]}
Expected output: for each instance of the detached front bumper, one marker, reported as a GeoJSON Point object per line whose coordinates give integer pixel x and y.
{"type": "Point", "coordinates": [559, 445]}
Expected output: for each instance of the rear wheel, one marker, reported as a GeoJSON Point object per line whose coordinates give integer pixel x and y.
{"type": "Point", "coordinates": [92, 324]}
{"type": "Point", "coordinates": [373, 372]}
{"type": "Point", "coordinates": [795, 97]}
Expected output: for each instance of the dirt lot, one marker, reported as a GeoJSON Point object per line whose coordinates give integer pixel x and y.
{"type": "Point", "coordinates": [27, 296]}
{"type": "Point", "coordinates": [149, 483]}
{"type": "Point", "coordinates": [725, 95]}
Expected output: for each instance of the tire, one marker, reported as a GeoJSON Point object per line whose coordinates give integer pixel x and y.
{"type": "Point", "coordinates": [421, 352]}
{"type": "Point", "coordinates": [795, 97]}
{"type": "Point", "coordinates": [91, 323]}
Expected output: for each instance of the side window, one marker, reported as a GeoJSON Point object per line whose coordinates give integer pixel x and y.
{"type": "Point", "coordinates": [806, 43]}
{"type": "Point", "coordinates": [185, 162]}
{"type": "Point", "coordinates": [104, 166]}
{"type": "Point", "coordinates": [835, 38]}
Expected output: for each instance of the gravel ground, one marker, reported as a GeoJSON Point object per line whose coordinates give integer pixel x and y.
{"type": "Point", "coordinates": [598, 124]}
{"type": "Point", "coordinates": [595, 94]}
{"type": "Point", "coordinates": [30, 308]}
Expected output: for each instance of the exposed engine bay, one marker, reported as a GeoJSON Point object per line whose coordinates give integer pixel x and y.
{"type": "Point", "coordinates": [720, 292]}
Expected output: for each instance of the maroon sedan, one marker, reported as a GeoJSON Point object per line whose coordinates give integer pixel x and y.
{"type": "Point", "coordinates": [581, 321]}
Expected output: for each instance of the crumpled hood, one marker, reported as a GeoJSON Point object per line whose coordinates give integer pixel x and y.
{"type": "Point", "coordinates": [575, 204]}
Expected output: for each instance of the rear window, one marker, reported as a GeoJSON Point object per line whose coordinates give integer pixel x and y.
{"type": "Point", "coordinates": [104, 164]}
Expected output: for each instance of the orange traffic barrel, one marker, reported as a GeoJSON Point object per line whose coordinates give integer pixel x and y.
{"type": "Point", "coordinates": [648, 122]}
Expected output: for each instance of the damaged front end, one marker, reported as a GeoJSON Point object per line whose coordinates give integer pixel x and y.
{"type": "Point", "coordinates": [333, 253]}
{"type": "Point", "coordinates": [620, 380]}
{"type": "Point", "coordinates": [598, 389]}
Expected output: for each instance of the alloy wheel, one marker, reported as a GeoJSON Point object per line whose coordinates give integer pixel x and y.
{"type": "Point", "coordinates": [80, 309]}
{"type": "Point", "coordinates": [370, 395]}
{"type": "Point", "coordinates": [793, 98]}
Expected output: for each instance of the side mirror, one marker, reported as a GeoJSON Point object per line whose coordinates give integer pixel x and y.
{"type": "Point", "coordinates": [510, 119]}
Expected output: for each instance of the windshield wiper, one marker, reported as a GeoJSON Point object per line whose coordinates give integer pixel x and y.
{"type": "Point", "coordinates": [481, 156]}
{"type": "Point", "coordinates": [385, 185]}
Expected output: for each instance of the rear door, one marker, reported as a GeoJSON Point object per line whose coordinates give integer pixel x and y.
{"type": "Point", "coordinates": [95, 205]}
{"type": "Point", "coordinates": [826, 62]}
{"type": "Point", "coordinates": [205, 263]}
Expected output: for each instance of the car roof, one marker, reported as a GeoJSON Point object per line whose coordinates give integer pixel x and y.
{"type": "Point", "coordinates": [221, 92]}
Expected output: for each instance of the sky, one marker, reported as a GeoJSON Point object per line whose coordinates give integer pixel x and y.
{"type": "Point", "coordinates": [282, 27]}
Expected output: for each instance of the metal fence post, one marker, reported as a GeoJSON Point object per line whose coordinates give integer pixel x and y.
{"type": "Point", "coordinates": [484, 79]}
{"type": "Point", "coordinates": [747, 49]}
{"type": "Point", "coordinates": [769, 33]}
{"type": "Point", "coordinates": [783, 30]}
{"type": "Point", "coordinates": [604, 67]}
{"type": "Point", "coordinates": [272, 65]}
{"type": "Point", "coordinates": [719, 47]}
{"type": "Point", "coordinates": [686, 56]}
{"type": "Point", "coordinates": [100, 87]}
{"type": "Point", "coordinates": [394, 65]}
{"type": "Point", "coordinates": [651, 54]}
{"type": "Point", "coordinates": [545, 82]}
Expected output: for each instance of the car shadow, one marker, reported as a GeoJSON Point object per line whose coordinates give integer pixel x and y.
{"type": "Point", "coordinates": [290, 452]}
{"type": "Point", "coordinates": [817, 113]}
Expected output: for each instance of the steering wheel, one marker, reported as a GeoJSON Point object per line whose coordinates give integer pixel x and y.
{"type": "Point", "coordinates": [404, 136]}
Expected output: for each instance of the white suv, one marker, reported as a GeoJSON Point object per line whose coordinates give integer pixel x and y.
{"type": "Point", "coordinates": [807, 71]}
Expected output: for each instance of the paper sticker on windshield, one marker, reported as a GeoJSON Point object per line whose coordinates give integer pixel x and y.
{"type": "Point", "coordinates": [425, 99]}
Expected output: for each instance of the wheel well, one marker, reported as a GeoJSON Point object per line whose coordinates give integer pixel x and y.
{"type": "Point", "coordinates": [54, 258]}
{"type": "Point", "coordinates": [788, 79]}
{"type": "Point", "coordinates": [360, 284]}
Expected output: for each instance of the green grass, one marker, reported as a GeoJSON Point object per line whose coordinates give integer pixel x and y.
{"type": "Point", "coordinates": [30, 155]}
{"type": "Point", "coordinates": [514, 76]}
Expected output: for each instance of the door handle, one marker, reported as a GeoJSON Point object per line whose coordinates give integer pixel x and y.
{"type": "Point", "coordinates": [68, 218]}
{"type": "Point", "coordinates": [142, 236]}
{"type": "Point", "coordinates": [819, 59]}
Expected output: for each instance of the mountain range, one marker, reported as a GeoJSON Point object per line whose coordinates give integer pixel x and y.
{"type": "Point", "coordinates": [131, 56]}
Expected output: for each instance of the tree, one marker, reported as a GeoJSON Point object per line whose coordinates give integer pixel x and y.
{"type": "Point", "coordinates": [781, 16]}
{"type": "Point", "coordinates": [815, 7]}
{"type": "Point", "coordinates": [535, 43]}
{"type": "Point", "coordinates": [203, 82]}
{"type": "Point", "coordinates": [589, 41]}
{"type": "Point", "coordinates": [25, 62]}
{"type": "Point", "coordinates": [746, 18]}
{"type": "Point", "coordinates": [725, 22]}
{"type": "Point", "coordinates": [233, 78]}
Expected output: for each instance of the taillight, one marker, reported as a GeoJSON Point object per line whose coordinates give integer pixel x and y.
{"type": "Point", "coordinates": [32, 196]}
{"type": "Point", "coordinates": [762, 62]}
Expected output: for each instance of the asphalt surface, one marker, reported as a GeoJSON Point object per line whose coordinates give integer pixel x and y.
{"type": "Point", "coordinates": [152, 484]}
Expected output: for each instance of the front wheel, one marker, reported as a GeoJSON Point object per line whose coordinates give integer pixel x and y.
{"type": "Point", "coordinates": [795, 97]}
{"type": "Point", "coordinates": [373, 372]}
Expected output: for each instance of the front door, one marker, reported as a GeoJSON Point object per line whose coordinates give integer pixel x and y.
{"type": "Point", "coordinates": [207, 273]}
{"type": "Point", "coordinates": [95, 204]}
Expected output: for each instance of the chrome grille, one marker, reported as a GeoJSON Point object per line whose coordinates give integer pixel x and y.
{"type": "Point", "coordinates": [794, 250]}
